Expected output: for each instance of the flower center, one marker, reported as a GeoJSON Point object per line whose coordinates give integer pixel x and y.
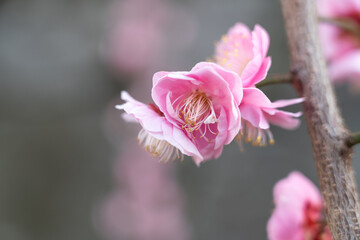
{"type": "Point", "coordinates": [159, 148]}
{"type": "Point", "coordinates": [314, 225]}
{"type": "Point", "coordinates": [351, 32]}
{"type": "Point", "coordinates": [232, 52]}
{"type": "Point", "coordinates": [194, 110]}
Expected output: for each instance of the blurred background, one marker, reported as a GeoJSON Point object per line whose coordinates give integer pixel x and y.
{"type": "Point", "coordinates": [69, 165]}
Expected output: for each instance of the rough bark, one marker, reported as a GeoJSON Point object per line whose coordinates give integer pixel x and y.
{"type": "Point", "coordinates": [328, 134]}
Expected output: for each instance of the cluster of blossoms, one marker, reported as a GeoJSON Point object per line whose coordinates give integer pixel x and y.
{"type": "Point", "coordinates": [197, 112]}
{"type": "Point", "coordinates": [341, 45]}
{"type": "Point", "coordinates": [298, 211]}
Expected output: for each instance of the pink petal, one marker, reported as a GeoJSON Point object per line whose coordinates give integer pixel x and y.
{"type": "Point", "coordinates": [284, 119]}
{"type": "Point", "coordinates": [147, 117]}
{"type": "Point", "coordinates": [254, 115]}
{"type": "Point", "coordinates": [258, 75]}
{"type": "Point", "coordinates": [222, 86]}
{"type": "Point", "coordinates": [346, 67]}
{"type": "Point", "coordinates": [287, 102]}
{"type": "Point", "coordinates": [177, 138]}
{"type": "Point", "coordinates": [157, 125]}
{"type": "Point", "coordinates": [285, 192]}
{"type": "Point", "coordinates": [256, 97]}
{"type": "Point", "coordinates": [235, 50]}
{"type": "Point", "coordinates": [230, 77]}
{"type": "Point", "coordinates": [291, 196]}
{"type": "Point", "coordinates": [261, 40]}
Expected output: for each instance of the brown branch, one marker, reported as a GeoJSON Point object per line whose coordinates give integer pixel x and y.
{"type": "Point", "coordinates": [275, 79]}
{"type": "Point", "coordinates": [353, 139]}
{"type": "Point", "coordinates": [328, 135]}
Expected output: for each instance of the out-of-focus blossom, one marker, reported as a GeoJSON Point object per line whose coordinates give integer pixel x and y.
{"type": "Point", "coordinates": [341, 47]}
{"type": "Point", "coordinates": [197, 112]}
{"type": "Point", "coordinates": [136, 35]}
{"type": "Point", "coordinates": [147, 204]}
{"type": "Point", "coordinates": [245, 52]}
{"type": "Point", "coordinates": [298, 211]}
{"type": "Point", "coordinates": [140, 39]}
{"type": "Point", "coordinates": [347, 68]}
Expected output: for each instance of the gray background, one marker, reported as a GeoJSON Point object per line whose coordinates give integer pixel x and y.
{"type": "Point", "coordinates": [55, 160]}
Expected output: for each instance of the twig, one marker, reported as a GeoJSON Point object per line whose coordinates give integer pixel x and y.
{"type": "Point", "coordinates": [353, 139]}
{"type": "Point", "coordinates": [327, 132]}
{"type": "Point", "coordinates": [346, 24]}
{"type": "Point", "coordinates": [275, 79]}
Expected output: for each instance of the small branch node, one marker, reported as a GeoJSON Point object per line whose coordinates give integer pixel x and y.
{"type": "Point", "coordinates": [353, 139]}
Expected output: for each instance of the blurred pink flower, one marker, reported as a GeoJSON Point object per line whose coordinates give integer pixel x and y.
{"type": "Point", "coordinates": [298, 211]}
{"type": "Point", "coordinates": [341, 48]}
{"type": "Point", "coordinates": [197, 112]}
{"type": "Point", "coordinates": [136, 35]}
{"type": "Point", "coordinates": [147, 204]}
{"type": "Point", "coordinates": [143, 34]}
{"type": "Point", "coordinates": [244, 52]}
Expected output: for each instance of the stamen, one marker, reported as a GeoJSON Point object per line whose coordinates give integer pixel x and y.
{"type": "Point", "coordinates": [256, 136]}
{"type": "Point", "coordinates": [195, 110]}
{"type": "Point", "coordinates": [159, 148]}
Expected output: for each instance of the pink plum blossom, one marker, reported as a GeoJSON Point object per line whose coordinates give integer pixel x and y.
{"type": "Point", "coordinates": [341, 47]}
{"type": "Point", "coordinates": [196, 112]}
{"type": "Point", "coordinates": [245, 52]}
{"type": "Point", "coordinates": [298, 211]}
{"type": "Point", "coordinates": [258, 112]}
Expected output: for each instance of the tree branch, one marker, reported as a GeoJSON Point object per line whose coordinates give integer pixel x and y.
{"type": "Point", "coordinates": [328, 135]}
{"type": "Point", "coordinates": [353, 139]}
{"type": "Point", "coordinates": [275, 79]}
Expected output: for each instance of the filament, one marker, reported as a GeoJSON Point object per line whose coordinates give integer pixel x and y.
{"type": "Point", "coordinates": [159, 148]}
{"type": "Point", "coordinates": [254, 135]}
